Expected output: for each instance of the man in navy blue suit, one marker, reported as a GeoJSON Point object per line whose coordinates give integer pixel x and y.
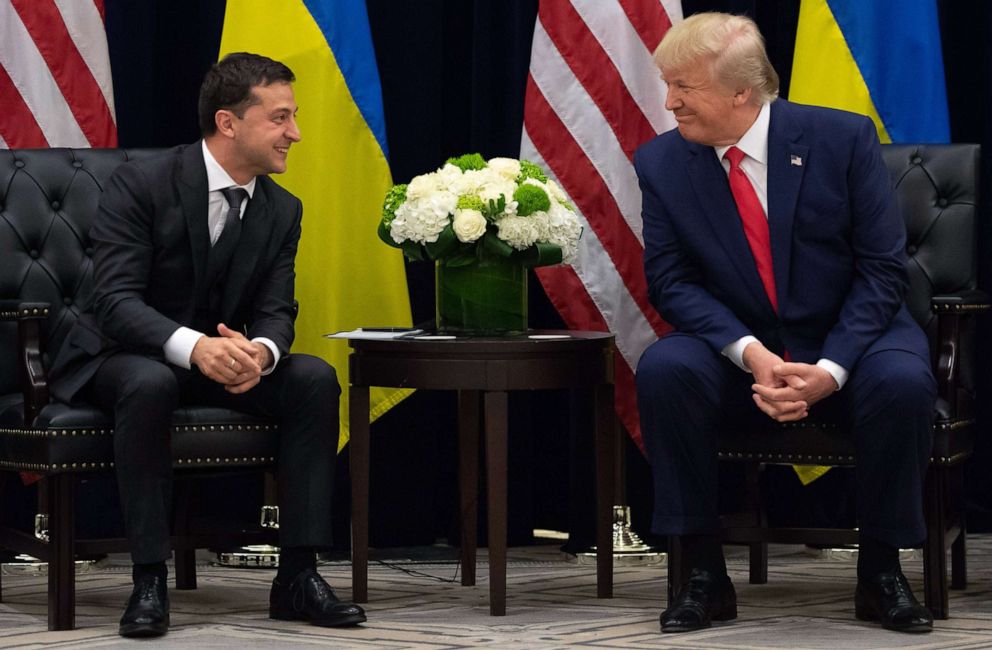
{"type": "Point", "coordinates": [773, 245]}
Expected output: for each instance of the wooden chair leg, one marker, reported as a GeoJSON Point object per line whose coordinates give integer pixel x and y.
{"type": "Point", "coordinates": [185, 568]}
{"type": "Point", "coordinates": [758, 563]}
{"type": "Point", "coordinates": [757, 551]}
{"type": "Point", "coordinates": [959, 558]}
{"type": "Point", "coordinates": [935, 549]}
{"type": "Point", "coordinates": [675, 577]}
{"type": "Point", "coordinates": [61, 560]}
{"type": "Point", "coordinates": [185, 556]}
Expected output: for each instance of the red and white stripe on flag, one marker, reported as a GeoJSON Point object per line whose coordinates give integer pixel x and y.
{"type": "Point", "coordinates": [593, 96]}
{"type": "Point", "coordinates": [55, 84]}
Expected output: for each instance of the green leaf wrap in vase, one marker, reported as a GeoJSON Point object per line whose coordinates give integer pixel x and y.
{"type": "Point", "coordinates": [483, 224]}
{"type": "Point", "coordinates": [485, 298]}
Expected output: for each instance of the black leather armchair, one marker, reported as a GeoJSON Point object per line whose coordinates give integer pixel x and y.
{"type": "Point", "coordinates": [936, 187]}
{"type": "Point", "coordinates": [48, 202]}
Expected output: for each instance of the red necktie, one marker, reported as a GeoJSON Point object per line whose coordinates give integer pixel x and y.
{"type": "Point", "coordinates": [754, 221]}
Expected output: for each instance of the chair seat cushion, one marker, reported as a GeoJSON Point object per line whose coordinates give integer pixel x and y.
{"type": "Point", "coordinates": [811, 442]}
{"type": "Point", "coordinates": [69, 438]}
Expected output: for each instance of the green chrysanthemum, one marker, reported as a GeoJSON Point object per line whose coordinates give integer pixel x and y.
{"type": "Point", "coordinates": [467, 162]}
{"type": "Point", "coordinates": [394, 199]}
{"type": "Point", "coordinates": [470, 202]}
{"type": "Point", "coordinates": [531, 199]}
{"type": "Point", "coordinates": [530, 170]}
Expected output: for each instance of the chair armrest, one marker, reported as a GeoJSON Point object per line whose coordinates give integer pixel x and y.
{"type": "Point", "coordinates": [951, 310]}
{"type": "Point", "coordinates": [31, 369]}
{"type": "Point", "coordinates": [971, 300]}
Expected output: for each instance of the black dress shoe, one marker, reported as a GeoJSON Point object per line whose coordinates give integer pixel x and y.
{"type": "Point", "coordinates": [887, 598]}
{"type": "Point", "coordinates": [147, 612]}
{"type": "Point", "coordinates": [706, 597]}
{"type": "Point", "coordinates": [309, 598]}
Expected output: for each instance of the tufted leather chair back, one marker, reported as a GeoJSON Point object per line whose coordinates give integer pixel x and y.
{"type": "Point", "coordinates": [48, 202]}
{"type": "Point", "coordinates": [936, 187]}
{"type": "Point", "coordinates": [937, 190]}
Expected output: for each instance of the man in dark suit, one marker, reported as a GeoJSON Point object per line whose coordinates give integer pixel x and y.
{"type": "Point", "coordinates": [774, 247]}
{"type": "Point", "coordinates": [193, 304]}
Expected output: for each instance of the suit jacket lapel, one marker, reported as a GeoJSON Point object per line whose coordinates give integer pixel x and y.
{"type": "Point", "coordinates": [256, 227]}
{"type": "Point", "coordinates": [193, 194]}
{"type": "Point", "coordinates": [786, 166]}
{"type": "Point", "coordinates": [709, 181]}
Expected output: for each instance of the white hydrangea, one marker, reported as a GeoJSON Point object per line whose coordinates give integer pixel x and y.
{"type": "Point", "coordinates": [519, 232]}
{"type": "Point", "coordinates": [432, 200]}
{"type": "Point", "coordinates": [562, 227]}
{"type": "Point", "coordinates": [422, 220]}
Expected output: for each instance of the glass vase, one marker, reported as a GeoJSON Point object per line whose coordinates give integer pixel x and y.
{"type": "Point", "coordinates": [485, 298]}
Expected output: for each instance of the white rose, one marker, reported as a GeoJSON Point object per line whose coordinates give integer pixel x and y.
{"type": "Point", "coordinates": [421, 186]}
{"type": "Point", "coordinates": [508, 168]}
{"type": "Point", "coordinates": [468, 225]}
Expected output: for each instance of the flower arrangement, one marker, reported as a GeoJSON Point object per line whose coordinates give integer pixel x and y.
{"type": "Point", "coordinates": [471, 209]}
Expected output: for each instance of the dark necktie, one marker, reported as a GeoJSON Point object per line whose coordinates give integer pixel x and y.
{"type": "Point", "coordinates": [754, 221]}
{"type": "Point", "coordinates": [224, 247]}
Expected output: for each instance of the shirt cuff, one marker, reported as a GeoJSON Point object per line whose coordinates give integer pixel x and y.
{"type": "Point", "coordinates": [179, 348]}
{"type": "Point", "coordinates": [269, 343]}
{"type": "Point", "coordinates": [735, 351]}
{"type": "Point", "coordinates": [836, 371]}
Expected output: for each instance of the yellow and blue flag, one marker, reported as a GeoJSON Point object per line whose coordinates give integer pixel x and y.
{"type": "Point", "coordinates": [880, 58]}
{"type": "Point", "coordinates": [345, 276]}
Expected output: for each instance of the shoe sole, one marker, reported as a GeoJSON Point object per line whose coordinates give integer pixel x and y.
{"type": "Point", "coordinates": [143, 630]}
{"type": "Point", "coordinates": [344, 621]}
{"type": "Point", "coordinates": [722, 617]}
{"type": "Point", "coordinates": [864, 614]}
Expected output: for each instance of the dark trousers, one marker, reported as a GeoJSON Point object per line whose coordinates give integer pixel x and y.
{"type": "Point", "coordinates": [302, 394]}
{"type": "Point", "coordinates": [687, 393]}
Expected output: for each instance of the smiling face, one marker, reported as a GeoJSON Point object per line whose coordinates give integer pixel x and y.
{"type": "Point", "coordinates": [261, 137]}
{"type": "Point", "coordinates": [708, 111]}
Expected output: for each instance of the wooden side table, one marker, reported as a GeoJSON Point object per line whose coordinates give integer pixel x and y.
{"type": "Point", "coordinates": [483, 370]}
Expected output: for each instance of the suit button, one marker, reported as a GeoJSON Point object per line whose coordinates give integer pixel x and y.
{"type": "Point", "coordinates": [942, 202]}
{"type": "Point", "coordinates": [56, 205]}
{"type": "Point", "coordinates": [67, 300]}
{"type": "Point", "coordinates": [911, 250]}
{"type": "Point", "coordinates": [916, 160]}
{"type": "Point", "coordinates": [89, 251]}
{"type": "Point", "coordinates": [33, 253]}
{"type": "Point", "coordinates": [19, 164]}
{"type": "Point", "coordinates": [77, 164]}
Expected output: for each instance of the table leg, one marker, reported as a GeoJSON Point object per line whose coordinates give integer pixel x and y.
{"type": "Point", "coordinates": [468, 479]}
{"type": "Point", "coordinates": [605, 451]}
{"type": "Point", "coordinates": [358, 421]}
{"type": "Point", "coordinates": [496, 429]}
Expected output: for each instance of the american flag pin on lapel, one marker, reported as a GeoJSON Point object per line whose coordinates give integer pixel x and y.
{"type": "Point", "coordinates": [796, 160]}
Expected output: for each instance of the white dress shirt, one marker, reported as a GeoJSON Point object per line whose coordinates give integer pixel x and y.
{"type": "Point", "coordinates": [179, 347]}
{"type": "Point", "coordinates": [754, 144]}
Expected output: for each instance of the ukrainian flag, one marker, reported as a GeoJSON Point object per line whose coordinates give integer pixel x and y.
{"type": "Point", "coordinates": [345, 276]}
{"type": "Point", "coordinates": [880, 58]}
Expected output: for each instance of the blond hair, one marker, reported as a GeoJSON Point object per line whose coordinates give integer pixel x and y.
{"type": "Point", "coordinates": [733, 45]}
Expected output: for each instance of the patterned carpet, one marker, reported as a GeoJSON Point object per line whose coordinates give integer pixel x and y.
{"type": "Point", "coordinates": [551, 603]}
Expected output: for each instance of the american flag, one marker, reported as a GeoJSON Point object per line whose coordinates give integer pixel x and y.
{"type": "Point", "coordinates": [55, 85]}
{"type": "Point", "coordinates": [593, 96]}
